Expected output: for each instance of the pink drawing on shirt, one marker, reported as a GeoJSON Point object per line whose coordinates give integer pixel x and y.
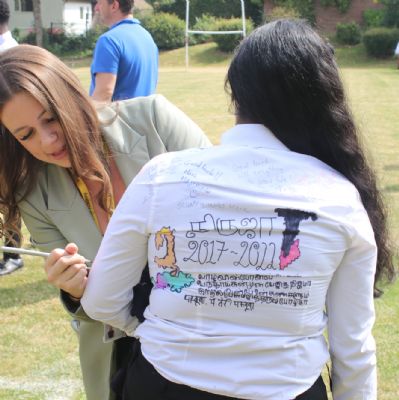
{"type": "Point", "coordinates": [293, 254]}
{"type": "Point", "coordinates": [160, 283]}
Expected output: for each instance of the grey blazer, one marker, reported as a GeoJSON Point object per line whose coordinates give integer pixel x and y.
{"type": "Point", "coordinates": [55, 214]}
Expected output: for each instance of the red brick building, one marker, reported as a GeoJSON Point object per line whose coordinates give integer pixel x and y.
{"type": "Point", "coordinates": [328, 17]}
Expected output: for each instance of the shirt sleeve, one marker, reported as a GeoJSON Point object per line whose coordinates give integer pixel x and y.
{"type": "Point", "coordinates": [106, 56]}
{"type": "Point", "coordinates": [120, 260]}
{"type": "Point", "coordinates": [351, 316]}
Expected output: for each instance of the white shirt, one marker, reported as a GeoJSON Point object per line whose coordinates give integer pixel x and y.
{"type": "Point", "coordinates": [7, 41]}
{"type": "Point", "coordinates": [247, 243]}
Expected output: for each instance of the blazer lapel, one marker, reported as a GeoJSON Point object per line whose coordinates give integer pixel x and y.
{"type": "Point", "coordinates": [69, 212]}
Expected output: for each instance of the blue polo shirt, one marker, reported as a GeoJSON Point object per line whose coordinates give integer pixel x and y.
{"type": "Point", "coordinates": [128, 51]}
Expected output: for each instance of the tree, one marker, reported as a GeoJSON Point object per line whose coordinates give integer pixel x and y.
{"type": "Point", "coordinates": [37, 22]}
{"type": "Point", "coordinates": [391, 12]}
{"type": "Point", "coordinates": [217, 8]}
{"type": "Point", "coordinates": [391, 15]}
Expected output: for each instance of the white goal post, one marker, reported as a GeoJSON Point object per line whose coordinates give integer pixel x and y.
{"type": "Point", "coordinates": [191, 32]}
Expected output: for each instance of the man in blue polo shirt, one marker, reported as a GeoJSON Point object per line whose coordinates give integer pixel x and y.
{"type": "Point", "coordinates": [125, 61]}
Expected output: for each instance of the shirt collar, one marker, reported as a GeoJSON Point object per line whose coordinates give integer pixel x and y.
{"type": "Point", "coordinates": [254, 135]}
{"type": "Point", "coordinates": [126, 21]}
{"type": "Point", "coordinates": [5, 36]}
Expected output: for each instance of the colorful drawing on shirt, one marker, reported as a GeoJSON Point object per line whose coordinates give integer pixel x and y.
{"type": "Point", "coordinates": [290, 246]}
{"type": "Point", "coordinates": [176, 279]}
{"type": "Point", "coordinates": [169, 260]}
{"type": "Point", "coordinates": [176, 284]}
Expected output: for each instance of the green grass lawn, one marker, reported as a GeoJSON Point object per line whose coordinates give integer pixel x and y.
{"type": "Point", "coordinates": [38, 350]}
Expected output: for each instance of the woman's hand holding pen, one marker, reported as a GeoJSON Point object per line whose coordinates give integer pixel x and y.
{"type": "Point", "coordinates": [66, 270]}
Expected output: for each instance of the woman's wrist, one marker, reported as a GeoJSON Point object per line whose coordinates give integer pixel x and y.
{"type": "Point", "coordinates": [75, 299]}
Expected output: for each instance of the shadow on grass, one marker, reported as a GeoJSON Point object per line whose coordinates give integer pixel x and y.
{"type": "Point", "coordinates": [391, 189]}
{"type": "Point", "coordinates": [391, 167]}
{"type": "Point", "coordinates": [77, 62]}
{"type": "Point", "coordinates": [27, 293]}
{"type": "Point", "coordinates": [356, 56]}
{"type": "Point", "coordinates": [206, 54]}
{"type": "Point", "coordinates": [210, 56]}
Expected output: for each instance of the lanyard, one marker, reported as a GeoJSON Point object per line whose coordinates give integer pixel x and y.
{"type": "Point", "coordinates": [84, 191]}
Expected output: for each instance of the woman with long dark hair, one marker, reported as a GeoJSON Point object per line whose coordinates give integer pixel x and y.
{"type": "Point", "coordinates": [304, 105]}
{"type": "Point", "coordinates": [257, 246]}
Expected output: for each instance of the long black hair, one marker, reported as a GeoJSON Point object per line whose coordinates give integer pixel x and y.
{"type": "Point", "coordinates": [284, 76]}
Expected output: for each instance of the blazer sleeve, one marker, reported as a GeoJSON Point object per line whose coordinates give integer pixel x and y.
{"type": "Point", "coordinates": [46, 236]}
{"type": "Point", "coordinates": [175, 128]}
{"type": "Point", "coordinates": [164, 126]}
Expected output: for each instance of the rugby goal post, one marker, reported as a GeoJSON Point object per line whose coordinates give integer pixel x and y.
{"type": "Point", "coordinates": [193, 32]}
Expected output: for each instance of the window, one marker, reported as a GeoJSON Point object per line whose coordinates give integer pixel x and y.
{"type": "Point", "coordinates": [26, 5]}
{"type": "Point", "coordinates": [81, 12]}
{"type": "Point", "coordinates": [23, 5]}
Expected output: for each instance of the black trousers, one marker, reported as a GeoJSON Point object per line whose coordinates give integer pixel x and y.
{"type": "Point", "coordinates": [143, 382]}
{"type": "Point", "coordinates": [123, 355]}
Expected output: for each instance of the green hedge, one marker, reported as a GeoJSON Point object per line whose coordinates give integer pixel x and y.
{"type": "Point", "coordinates": [227, 43]}
{"type": "Point", "coordinates": [373, 18]}
{"type": "Point", "coordinates": [282, 12]}
{"type": "Point", "coordinates": [381, 42]}
{"type": "Point", "coordinates": [305, 8]}
{"type": "Point", "coordinates": [348, 33]}
{"type": "Point", "coordinates": [218, 8]}
{"type": "Point", "coordinates": [204, 23]}
{"type": "Point", "coordinates": [391, 13]}
{"type": "Point", "coordinates": [342, 5]}
{"type": "Point", "coordinates": [166, 29]}
{"type": "Point", "coordinates": [60, 43]}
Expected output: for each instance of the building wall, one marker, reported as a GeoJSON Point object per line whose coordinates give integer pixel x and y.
{"type": "Point", "coordinates": [77, 16]}
{"type": "Point", "coordinates": [19, 19]}
{"type": "Point", "coordinates": [328, 17]}
{"type": "Point", "coordinates": [56, 12]}
{"type": "Point", "coordinates": [23, 20]}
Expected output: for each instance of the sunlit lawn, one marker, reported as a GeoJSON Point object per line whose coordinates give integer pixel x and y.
{"type": "Point", "coordinates": [38, 350]}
